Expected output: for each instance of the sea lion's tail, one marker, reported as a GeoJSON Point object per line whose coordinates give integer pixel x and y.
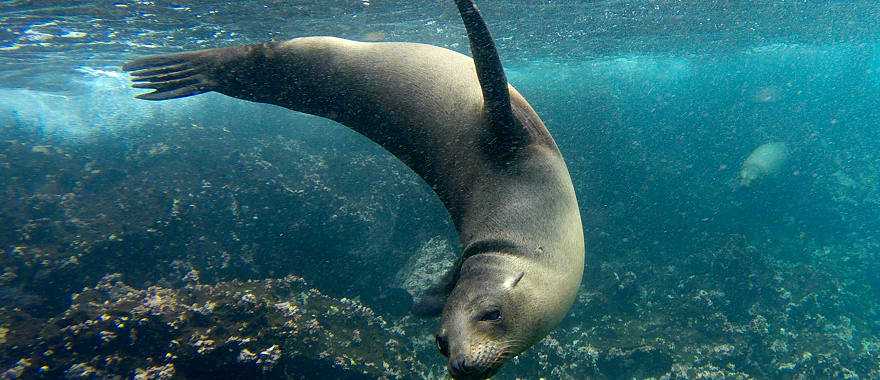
{"type": "Point", "coordinates": [490, 72]}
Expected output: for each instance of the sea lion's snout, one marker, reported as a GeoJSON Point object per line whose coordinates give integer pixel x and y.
{"type": "Point", "coordinates": [461, 368]}
{"type": "Point", "coordinates": [484, 321]}
{"type": "Point", "coordinates": [746, 176]}
{"type": "Point", "coordinates": [458, 364]}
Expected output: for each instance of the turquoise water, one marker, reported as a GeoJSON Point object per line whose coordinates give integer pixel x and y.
{"type": "Point", "coordinates": [655, 106]}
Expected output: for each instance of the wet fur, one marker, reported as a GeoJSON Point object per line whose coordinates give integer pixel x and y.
{"type": "Point", "coordinates": [513, 205]}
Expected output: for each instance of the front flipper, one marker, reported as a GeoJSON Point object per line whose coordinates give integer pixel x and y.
{"type": "Point", "coordinates": [431, 302]}
{"type": "Point", "coordinates": [429, 305]}
{"type": "Point", "coordinates": [508, 134]}
{"type": "Point", "coordinates": [191, 73]}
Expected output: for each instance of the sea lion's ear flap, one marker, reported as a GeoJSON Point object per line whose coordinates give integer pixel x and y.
{"type": "Point", "coordinates": [513, 281]}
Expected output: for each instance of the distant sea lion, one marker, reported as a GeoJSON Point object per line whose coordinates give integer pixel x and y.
{"type": "Point", "coordinates": [764, 161]}
{"type": "Point", "coordinates": [457, 123]}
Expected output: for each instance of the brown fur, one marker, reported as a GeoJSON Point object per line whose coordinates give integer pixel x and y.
{"type": "Point", "coordinates": [514, 208]}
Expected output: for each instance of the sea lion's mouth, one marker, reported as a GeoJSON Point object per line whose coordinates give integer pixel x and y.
{"type": "Point", "coordinates": [464, 374]}
{"type": "Point", "coordinates": [461, 370]}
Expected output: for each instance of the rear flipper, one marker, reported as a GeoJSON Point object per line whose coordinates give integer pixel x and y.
{"type": "Point", "coordinates": [191, 73]}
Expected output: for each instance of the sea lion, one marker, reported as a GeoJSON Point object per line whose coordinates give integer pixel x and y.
{"type": "Point", "coordinates": [766, 160]}
{"type": "Point", "coordinates": [459, 125]}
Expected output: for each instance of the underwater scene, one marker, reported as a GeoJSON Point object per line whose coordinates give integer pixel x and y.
{"type": "Point", "coordinates": [725, 156]}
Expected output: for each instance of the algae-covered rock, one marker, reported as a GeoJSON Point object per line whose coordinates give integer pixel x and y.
{"type": "Point", "coordinates": [170, 256]}
{"type": "Point", "coordinates": [275, 328]}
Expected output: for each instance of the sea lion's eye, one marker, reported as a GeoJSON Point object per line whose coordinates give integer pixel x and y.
{"type": "Point", "coordinates": [491, 316]}
{"type": "Point", "coordinates": [443, 345]}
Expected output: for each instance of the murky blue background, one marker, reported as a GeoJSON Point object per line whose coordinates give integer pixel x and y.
{"type": "Point", "coordinates": [654, 104]}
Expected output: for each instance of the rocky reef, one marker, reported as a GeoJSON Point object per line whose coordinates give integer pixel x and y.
{"type": "Point", "coordinates": [729, 312]}
{"type": "Point", "coordinates": [268, 328]}
{"type": "Point", "coordinates": [148, 256]}
{"type": "Point", "coordinates": [191, 251]}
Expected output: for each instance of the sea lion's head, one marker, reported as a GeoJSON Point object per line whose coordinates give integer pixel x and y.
{"type": "Point", "coordinates": [492, 314]}
{"type": "Point", "coordinates": [747, 175]}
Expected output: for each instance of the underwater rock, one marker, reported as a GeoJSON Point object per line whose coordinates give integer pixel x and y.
{"type": "Point", "coordinates": [424, 267]}
{"type": "Point", "coordinates": [199, 217]}
{"type": "Point", "coordinates": [723, 310]}
{"type": "Point", "coordinates": [766, 160]}
{"type": "Point", "coordinates": [160, 372]}
{"type": "Point", "coordinates": [276, 328]}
